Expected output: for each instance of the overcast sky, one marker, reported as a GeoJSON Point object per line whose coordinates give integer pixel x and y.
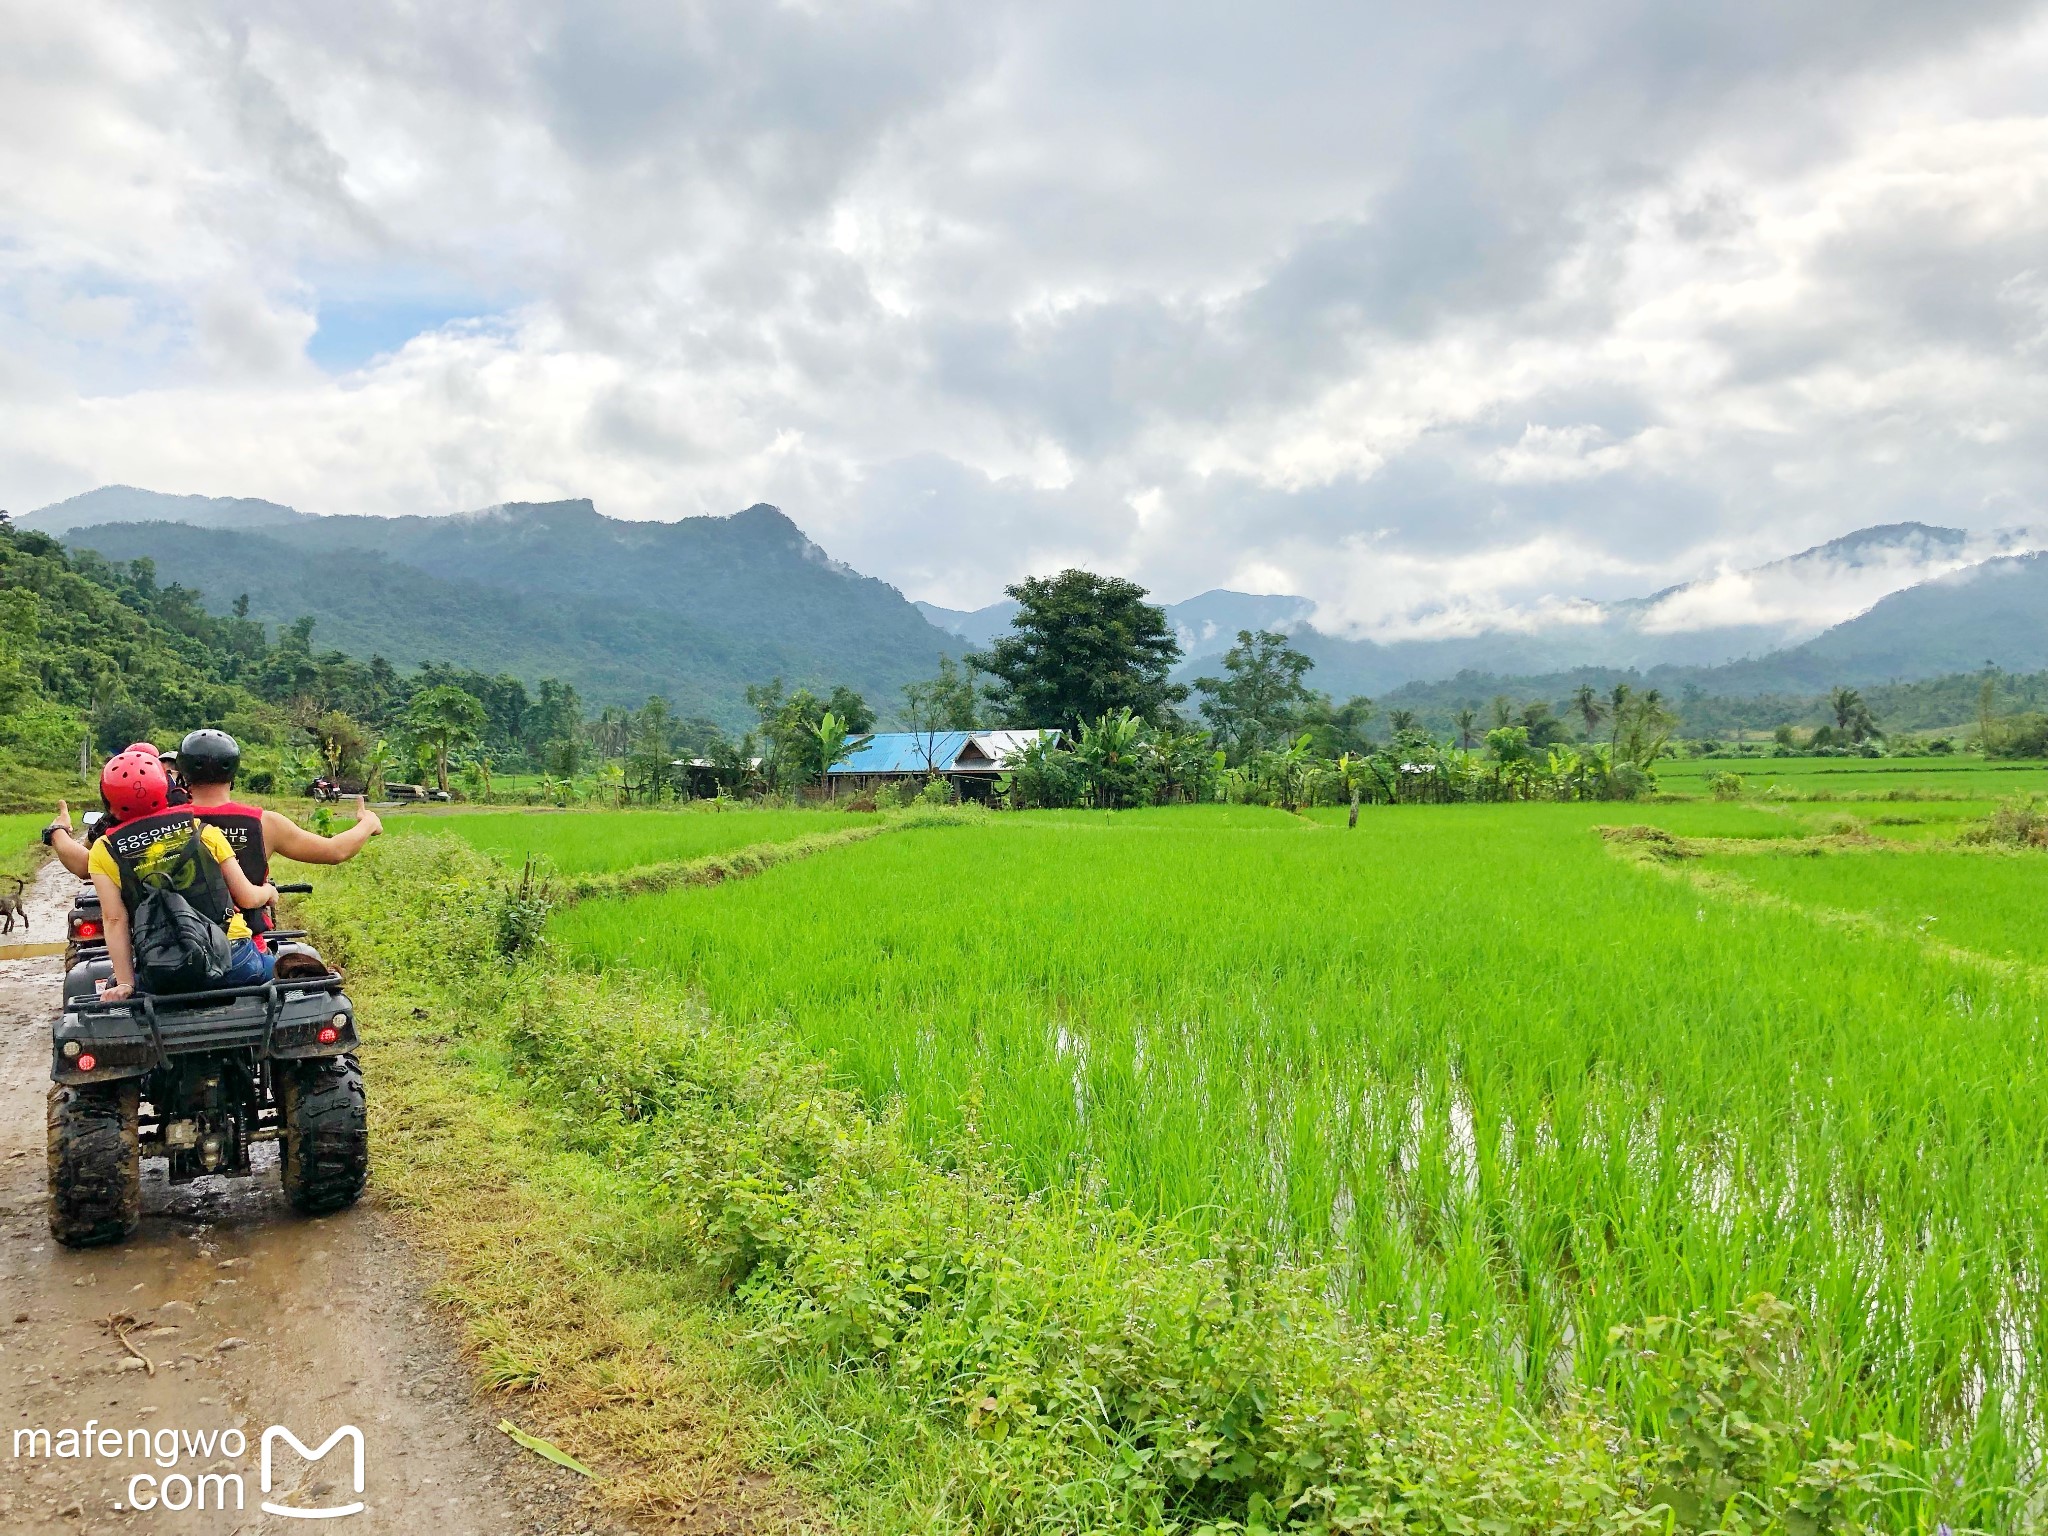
{"type": "Point", "coordinates": [1426, 312]}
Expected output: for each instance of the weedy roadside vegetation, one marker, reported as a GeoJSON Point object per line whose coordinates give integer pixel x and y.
{"type": "Point", "coordinates": [927, 1341]}
{"type": "Point", "coordinates": [2018, 822]}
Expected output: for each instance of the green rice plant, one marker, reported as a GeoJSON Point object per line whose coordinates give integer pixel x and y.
{"type": "Point", "coordinates": [1988, 902]}
{"type": "Point", "coordinates": [1504, 1083]}
{"type": "Point", "coordinates": [578, 842]}
{"type": "Point", "coordinates": [1913, 778]}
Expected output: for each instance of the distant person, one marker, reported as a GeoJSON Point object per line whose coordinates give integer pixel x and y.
{"type": "Point", "coordinates": [209, 761]}
{"type": "Point", "coordinates": [152, 847]}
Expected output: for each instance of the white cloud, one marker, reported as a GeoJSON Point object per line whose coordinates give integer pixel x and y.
{"type": "Point", "coordinates": [1803, 596]}
{"type": "Point", "coordinates": [1444, 320]}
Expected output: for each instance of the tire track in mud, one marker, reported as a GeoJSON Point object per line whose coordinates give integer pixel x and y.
{"type": "Point", "coordinates": [239, 1314]}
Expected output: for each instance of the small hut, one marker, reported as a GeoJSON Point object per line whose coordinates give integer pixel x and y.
{"type": "Point", "coordinates": [969, 760]}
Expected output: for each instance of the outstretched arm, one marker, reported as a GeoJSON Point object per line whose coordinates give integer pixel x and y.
{"type": "Point", "coordinates": [285, 837]}
{"type": "Point", "coordinates": [71, 853]}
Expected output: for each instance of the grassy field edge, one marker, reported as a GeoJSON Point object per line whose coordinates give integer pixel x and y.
{"type": "Point", "coordinates": [740, 863]}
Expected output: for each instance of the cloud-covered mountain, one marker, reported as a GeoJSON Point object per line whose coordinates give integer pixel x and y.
{"type": "Point", "coordinates": [976, 626]}
{"type": "Point", "coordinates": [697, 609]}
{"type": "Point", "coordinates": [1720, 619]}
{"type": "Point", "coordinates": [1992, 614]}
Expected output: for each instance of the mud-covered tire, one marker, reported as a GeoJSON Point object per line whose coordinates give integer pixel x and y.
{"type": "Point", "coordinates": [95, 1163]}
{"type": "Point", "coordinates": [326, 1141]}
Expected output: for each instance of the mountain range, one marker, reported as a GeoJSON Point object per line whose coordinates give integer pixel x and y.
{"type": "Point", "coordinates": [694, 610]}
{"type": "Point", "coordinates": [698, 608]}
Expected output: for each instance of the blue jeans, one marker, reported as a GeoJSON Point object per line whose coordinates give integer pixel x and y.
{"type": "Point", "coordinates": [248, 965]}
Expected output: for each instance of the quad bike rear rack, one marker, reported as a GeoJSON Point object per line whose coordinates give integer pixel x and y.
{"type": "Point", "coordinates": [296, 1018]}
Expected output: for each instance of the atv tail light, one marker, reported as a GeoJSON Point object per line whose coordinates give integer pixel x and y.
{"type": "Point", "coordinates": [329, 1034]}
{"type": "Point", "coordinates": [86, 928]}
{"type": "Point", "coordinates": [87, 1062]}
{"type": "Point", "coordinates": [70, 1049]}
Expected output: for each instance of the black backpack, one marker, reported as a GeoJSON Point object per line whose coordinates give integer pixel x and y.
{"type": "Point", "coordinates": [177, 948]}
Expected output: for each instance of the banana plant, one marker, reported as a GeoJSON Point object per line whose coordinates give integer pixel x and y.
{"type": "Point", "coordinates": [375, 766]}
{"type": "Point", "coordinates": [1108, 756]}
{"type": "Point", "coordinates": [1350, 773]}
{"type": "Point", "coordinates": [835, 743]}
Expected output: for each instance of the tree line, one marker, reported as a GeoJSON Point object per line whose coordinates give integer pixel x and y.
{"type": "Point", "coordinates": [94, 654]}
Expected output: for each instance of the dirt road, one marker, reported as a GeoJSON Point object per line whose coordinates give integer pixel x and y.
{"type": "Point", "coordinates": [248, 1316]}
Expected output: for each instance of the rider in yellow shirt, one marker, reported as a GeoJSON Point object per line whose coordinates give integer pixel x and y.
{"type": "Point", "coordinates": [148, 848]}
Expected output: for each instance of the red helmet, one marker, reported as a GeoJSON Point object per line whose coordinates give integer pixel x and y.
{"type": "Point", "coordinates": [146, 748]}
{"type": "Point", "coordinates": [134, 784]}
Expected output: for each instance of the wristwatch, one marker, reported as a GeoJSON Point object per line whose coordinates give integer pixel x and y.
{"type": "Point", "coordinates": [49, 832]}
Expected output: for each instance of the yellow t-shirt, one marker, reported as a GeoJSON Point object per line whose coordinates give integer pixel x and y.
{"type": "Point", "coordinates": [101, 862]}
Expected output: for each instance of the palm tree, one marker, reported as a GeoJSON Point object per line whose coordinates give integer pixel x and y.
{"type": "Point", "coordinates": [1503, 711]}
{"type": "Point", "coordinates": [1590, 709]}
{"type": "Point", "coordinates": [1401, 720]}
{"type": "Point", "coordinates": [1467, 722]}
{"type": "Point", "coordinates": [1845, 702]}
{"type": "Point", "coordinates": [1617, 703]}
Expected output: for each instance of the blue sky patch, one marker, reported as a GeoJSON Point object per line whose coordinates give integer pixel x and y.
{"type": "Point", "coordinates": [352, 331]}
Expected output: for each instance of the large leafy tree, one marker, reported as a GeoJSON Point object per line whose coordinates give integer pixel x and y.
{"type": "Point", "coordinates": [442, 720]}
{"type": "Point", "coordinates": [936, 705]}
{"type": "Point", "coordinates": [851, 708]}
{"type": "Point", "coordinates": [1261, 698]}
{"type": "Point", "coordinates": [789, 727]}
{"type": "Point", "coordinates": [1338, 728]}
{"type": "Point", "coordinates": [1082, 646]}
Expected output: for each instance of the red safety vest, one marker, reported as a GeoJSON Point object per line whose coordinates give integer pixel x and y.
{"type": "Point", "coordinates": [242, 826]}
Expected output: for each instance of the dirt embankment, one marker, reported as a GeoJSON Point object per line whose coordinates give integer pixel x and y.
{"type": "Point", "coordinates": [227, 1312]}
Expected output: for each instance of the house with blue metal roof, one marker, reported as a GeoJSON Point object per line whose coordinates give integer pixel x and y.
{"type": "Point", "coordinates": [971, 759]}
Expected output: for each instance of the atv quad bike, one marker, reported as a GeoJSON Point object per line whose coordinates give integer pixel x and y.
{"type": "Point", "coordinates": [199, 1078]}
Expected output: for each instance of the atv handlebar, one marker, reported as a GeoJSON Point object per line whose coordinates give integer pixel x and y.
{"type": "Point", "coordinates": [295, 888]}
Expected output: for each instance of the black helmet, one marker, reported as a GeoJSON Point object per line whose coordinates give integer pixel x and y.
{"type": "Point", "coordinates": [209, 757]}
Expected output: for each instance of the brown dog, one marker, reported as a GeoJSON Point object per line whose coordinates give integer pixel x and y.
{"type": "Point", "coordinates": [11, 907]}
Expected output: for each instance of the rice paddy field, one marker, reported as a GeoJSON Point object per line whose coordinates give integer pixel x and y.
{"type": "Point", "coordinates": [1860, 777]}
{"type": "Point", "coordinates": [1498, 1071]}
{"type": "Point", "coordinates": [598, 842]}
{"type": "Point", "coordinates": [1986, 903]}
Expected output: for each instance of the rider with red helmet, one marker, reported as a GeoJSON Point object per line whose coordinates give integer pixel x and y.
{"type": "Point", "coordinates": [72, 850]}
{"type": "Point", "coordinates": [150, 846]}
